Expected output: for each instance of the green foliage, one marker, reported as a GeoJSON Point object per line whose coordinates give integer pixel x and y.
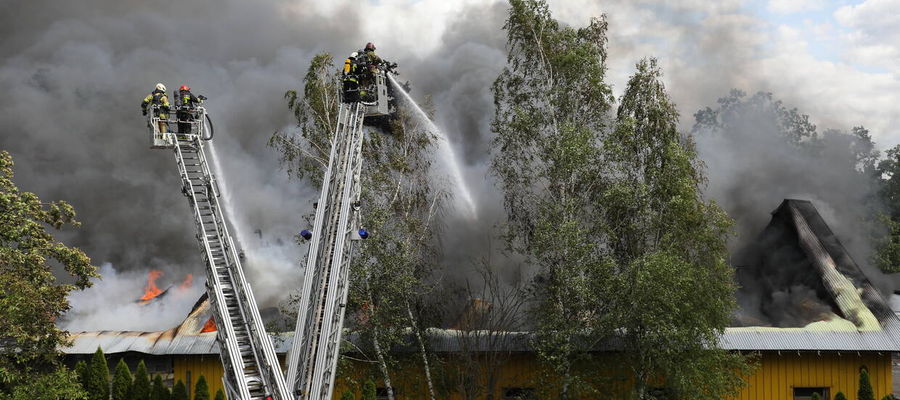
{"type": "Point", "coordinates": [179, 391]}
{"type": "Point", "coordinates": [220, 395]}
{"type": "Point", "coordinates": [201, 389]}
{"type": "Point", "coordinates": [98, 377]}
{"type": "Point", "coordinates": [348, 395]}
{"type": "Point", "coordinates": [612, 213]}
{"type": "Point", "coordinates": [816, 396]}
{"type": "Point", "coordinates": [368, 390]}
{"type": "Point", "coordinates": [551, 103]}
{"type": "Point", "coordinates": [31, 298]}
{"type": "Point", "coordinates": [316, 114]}
{"type": "Point", "coordinates": [60, 383]}
{"type": "Point", "coordinates": [122, 382]}
{"type": "Point", "coordinates": [389, 271]}
{"type": "Point", "coordinates": [81, 372]}
{"type": "Point", "coordinates": [669, 246]}
{"type": "Point", "coordinates": [840, 396]}
{"type": "Point", "coordinates": [140, 388]}
{"type": "Point", "coordinates": [865, 391]}
{"type": "Point", "coordinates": [888, 397]}
{"type": "Point", "coordinates": [887, 256]}
{"type": "Point", "coordinates": [159, 391]}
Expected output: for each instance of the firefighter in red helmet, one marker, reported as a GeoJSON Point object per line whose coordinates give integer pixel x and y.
{"type": "Point", "coordinates": [186, 103]}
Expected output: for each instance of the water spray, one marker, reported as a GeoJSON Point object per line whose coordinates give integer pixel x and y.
{"type": "Point", "coordinates": [463, 194]}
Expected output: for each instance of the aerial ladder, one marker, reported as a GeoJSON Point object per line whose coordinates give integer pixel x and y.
{"type": "Point", "coordinates": [251, 369]}
{"type": "Point", "coordinates": [312, 362]}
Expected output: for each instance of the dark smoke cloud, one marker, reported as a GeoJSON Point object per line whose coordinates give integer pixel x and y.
{"type": "Point", "coordinates": [74, 73]}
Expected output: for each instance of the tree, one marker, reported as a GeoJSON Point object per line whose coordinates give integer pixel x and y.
{"type": "Point", "coordinates": [669, 246]}
{"type": "Point", "coordinates": [56, 385]}
{"type": "Point", "coordinates": [551, 112]}
{"type": "Point", "coordinates": [98, 377]}
{"type": "Point", "coordinates": [840, 396]}
{"type": "Point", "coordinates": [201, 389]}
{"type": "Point", "coordinates": [348, 395]}
{"type": "Point", "coordinates": [140, 388]}
{"type": "Point", "coordinates": [887, 256]}
{"type": "Point", "coordinates": [179, 391]}
{"type": "Point", "coordinates": [220, 395]}
{"type": "Point", "coordinates": [368, 390]}
{"type": "Point", "coordinates": [31, 297]}
{"type": "Point", "coordinates": [159, 390]}
{"type": "Point", "coordinates": [389, 270]}
{"type": "Point", "coordinates": [491, 319]}
{"type": "Point", "coordinates": [122, 382]}
{"type": "Point", "coordinates": [865, 387]}
{"type": "Point", "coordinates": [81, 371]}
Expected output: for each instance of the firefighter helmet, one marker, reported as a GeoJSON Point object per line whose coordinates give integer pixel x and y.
{"type": "Point", "coordinates": [184, 87]}
{"type": "Point", "coordinates": [160, 86]}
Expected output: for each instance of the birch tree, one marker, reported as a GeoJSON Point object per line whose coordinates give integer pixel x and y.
{"type": "Point", "coordinates": [399, 206]}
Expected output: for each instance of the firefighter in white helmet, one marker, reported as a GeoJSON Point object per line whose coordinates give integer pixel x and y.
{"type": "Point", "coordinates": [158, 98]}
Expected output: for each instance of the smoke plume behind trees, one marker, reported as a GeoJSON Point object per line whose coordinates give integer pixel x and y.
{"type": "Point", "coordinates": [73, 76]}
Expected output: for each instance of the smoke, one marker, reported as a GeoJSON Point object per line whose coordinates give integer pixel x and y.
{"type": "Point", "coordinates": [74, 74]}
{"type": "Point", "coordinates": [112, 302]}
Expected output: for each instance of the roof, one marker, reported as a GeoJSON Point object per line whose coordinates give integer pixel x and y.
{"type": "Point", "coordinates": [808, 234]}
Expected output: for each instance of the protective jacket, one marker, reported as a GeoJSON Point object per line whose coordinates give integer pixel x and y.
{"type": "Point", "coordinates": [371, 59]}
{"type": "Point", "coordinates": [157, 98]}
{"type": "Point", "coordinates": [186, 99]}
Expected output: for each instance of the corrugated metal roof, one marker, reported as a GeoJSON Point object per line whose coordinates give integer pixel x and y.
{"type": "Point", "coordinates": [186, 339]}
{"type": "Point", "coordinates": [749, 339]}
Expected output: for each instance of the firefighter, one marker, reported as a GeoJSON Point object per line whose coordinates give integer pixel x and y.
{"type": "Point", "coordinates": [158, 98]}
{"type": "Point", "coordinates": [351, 79]}
{"type": "Point", "coordinates": [372, 59]}
{"type": "Point", "coordinates": [368, 64]}
{"type": "Point", "coordinates": [185, 103]}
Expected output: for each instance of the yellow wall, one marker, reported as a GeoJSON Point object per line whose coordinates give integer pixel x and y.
{"type": "Point", "coordinates": [209, 366]}
{"type": "Point", "coordinates": [779, 374]}
{"type": "Point", "coordinates": [775, 379]}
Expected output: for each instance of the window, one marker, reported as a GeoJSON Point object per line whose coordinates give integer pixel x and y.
{"type": "Point", "coordinates": [806, 393]}
{"type": "Point", "coordinates": [519, 394]}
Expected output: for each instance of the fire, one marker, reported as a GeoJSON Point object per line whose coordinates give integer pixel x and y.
{"type": "Point", "coordinates": [151, 291]}
{"type": "Point", "coordinates": [188, 282]}
{"type": "Point", "coordinates": [209, 326]}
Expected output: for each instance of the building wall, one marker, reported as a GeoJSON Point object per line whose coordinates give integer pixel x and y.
{"type": "Point", "coordinates": [777, 377]}
{"type": "Point", "coordinates": [189, 368]}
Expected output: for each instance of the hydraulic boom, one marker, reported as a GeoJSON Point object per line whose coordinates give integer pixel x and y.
{"type": "Point", "coordinates": [251, 370]}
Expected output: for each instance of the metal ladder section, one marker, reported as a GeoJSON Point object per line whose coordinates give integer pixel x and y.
{"type": "Point", "coordinates": [251, 368]}
{"type": "Point", "coordinates": [317, 336]}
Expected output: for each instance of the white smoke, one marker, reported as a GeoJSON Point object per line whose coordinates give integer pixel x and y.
{"type": "Point", "coordinates": [111, 303]}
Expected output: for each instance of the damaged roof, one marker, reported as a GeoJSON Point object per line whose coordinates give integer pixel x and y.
{"type": "Point", "coordinates": [864, 320]}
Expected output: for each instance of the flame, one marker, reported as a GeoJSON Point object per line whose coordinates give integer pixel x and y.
{"type": "Point", "coordinates": [188, 282]}
{"type": "Point", "coordinates": [151, 291]}
{"type": "Point", "coordinates": [209, 326]}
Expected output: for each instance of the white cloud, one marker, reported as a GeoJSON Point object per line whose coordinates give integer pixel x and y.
{"type": "Point", "coordinates": [785, 7]}
{"type": "Point", "coordinates": [873, 33]}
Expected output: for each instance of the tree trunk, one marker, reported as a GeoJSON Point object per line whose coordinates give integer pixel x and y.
{"type": "Point", "coordinates": [379, 354]}
{"type": "Point", "coordinates": [422, 351]}
{"type": "Point", "coordinates": [382, 364]}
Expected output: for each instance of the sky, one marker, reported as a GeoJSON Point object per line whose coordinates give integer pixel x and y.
{"type": "Point", "coordinates": [74, 74]}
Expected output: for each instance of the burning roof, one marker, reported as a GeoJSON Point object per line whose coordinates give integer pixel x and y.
{"type": "Point", "coordinates": [801, 290]}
